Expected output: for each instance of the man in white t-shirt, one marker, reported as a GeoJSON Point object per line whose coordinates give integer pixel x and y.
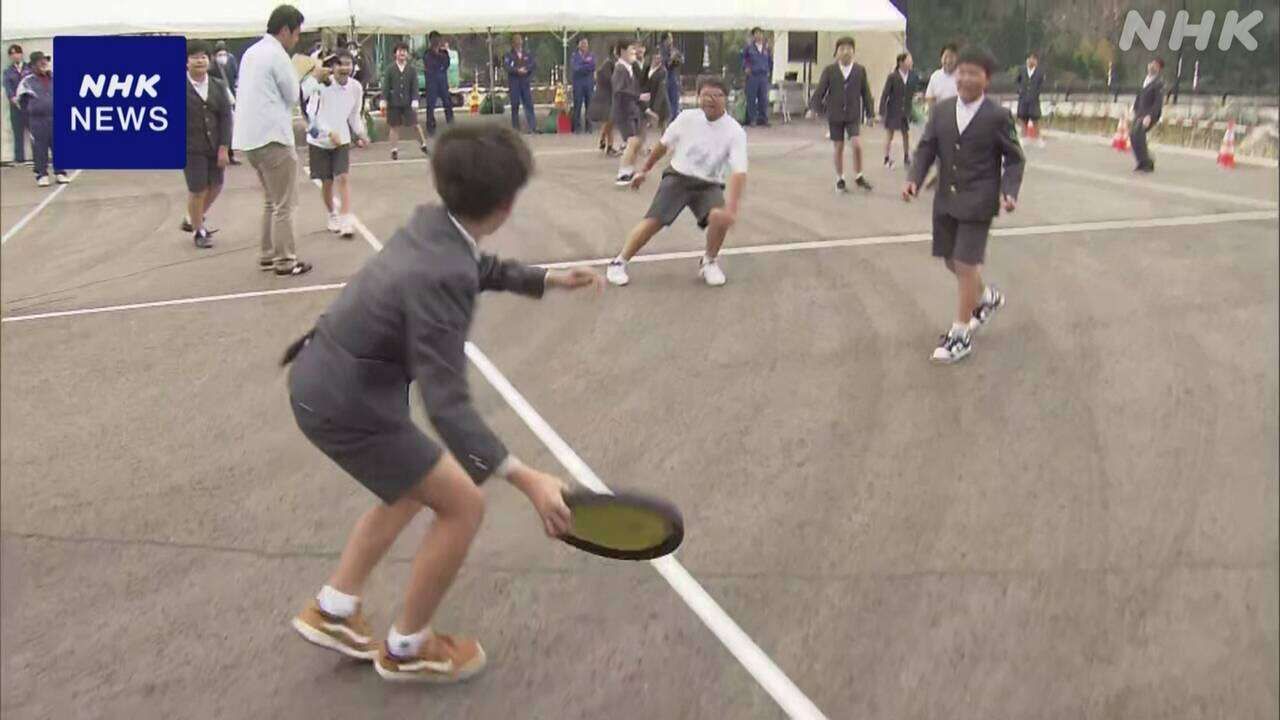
{"type": "Point", "coordinates": [333, 109]}
{"type": "Point", "coordinates": [942, 84]}
{"type": "Point", "coordinates": [706, 147]}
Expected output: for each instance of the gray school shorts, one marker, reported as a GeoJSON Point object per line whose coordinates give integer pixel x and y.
{"type": "Point", "coordinates": [677, 192]}
{"type": "Point", "coordinates": [962, 240]}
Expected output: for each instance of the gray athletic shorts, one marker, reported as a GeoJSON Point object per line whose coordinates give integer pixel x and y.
{"type": "Point", "coordinates": [677, 192]}
{"type": "Point", "coordinates": [387, 455]}
{"type": "Point", "coordinates": [961, 240]}
{"type": "Point", "coordinates": [327, 164]}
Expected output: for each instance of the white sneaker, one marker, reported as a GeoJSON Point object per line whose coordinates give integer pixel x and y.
{"type": "Point", "coordinates": [711, 273]}
{"type": "Point", "coordinates": [335, 225]}
{"type": "Point", "coordinates": [616, 273]}
{"type": "Point", "coordinates": [347, 227]}
{"type": "Point", "coordinates": [953, 347]}
{"type": "Point", "coordinates": [987, 307]}
{"type": "Point", "coordinates": [62, 179]}
{"type": "Point", "coordinates": [42, 181]}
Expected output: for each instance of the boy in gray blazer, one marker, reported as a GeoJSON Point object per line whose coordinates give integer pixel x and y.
{"type": "Point", "coordinates": [404, 318]}
{"type": "Point", "coordinates": [980, 165]}
{"type": "Point", "coordinates": [844, 96]}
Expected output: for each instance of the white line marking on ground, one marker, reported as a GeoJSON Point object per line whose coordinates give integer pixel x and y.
{"type": "Point", "coordinates": [36, 210]}
{"type": "Point", "coordinates": [922, 237]}
{"type": "Point", "coordinates": [748, 250]}
{"type": "Point", "coordinates": [574, 151]}
{"type": "Point", "coordinates": [1142, 183]}
{"type": "Point", "coordinates": [170, 303]}
{"type": "Point", "coordinates": [360, 226]}
{"type": "Point", "coordinates": [775, 682]}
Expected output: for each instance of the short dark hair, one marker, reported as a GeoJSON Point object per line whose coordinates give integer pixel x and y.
{"type": "Point", "coordinates": [284, 16]}
{"type": "Point", "coordinates": [978, 56]}
{"type": "Point", "coordinates": [432, 35]}
{"type": "Point", "coordinates": [901, 56]}
{"type": "Point", "coordinates": [714, 81]}
{"type": "Point", "coordinates": [402, 44]}
{"type": "Point", "coordinates": [15, 49]}
{"type": "Point", "coordinates": [755, 30]}
{"type": "Point", "coordinates": [1159, 61]}
{"type": "Point", "coordinates": [846, 40]}
{"type": "Point", "coordinates": [197, 47]}
{"type": "Point", "coordinates": [479, 168]}
{"type": "Point", "coordinates": [1033, 54]}
{"type": "Point", "coordinates": [949, 46]}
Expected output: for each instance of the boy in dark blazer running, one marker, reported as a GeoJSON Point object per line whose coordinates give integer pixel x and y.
{"type": "Point", "coordinates": [980, 163]}
{"type": "Point", "coordinates": [1030, 80]}
{"type": "Point", "coordinates": [1146, 113]}
{"type": "Point", "coordinates": [844, 96]}
{"type": "Point", "coordinates": [895, 106]}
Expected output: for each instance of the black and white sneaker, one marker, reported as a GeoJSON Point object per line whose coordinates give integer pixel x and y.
{"type": "Point", "coordinates": [624, 180]}
{"type": "Point", "coordinates": [186, 225]}
{"type": "Point", "coordinates": [888, 162]}
{"type": "Point", "coordinates": [840, 185]}
{"type": "Point", "coordinates": [862, 183]}
{"type": "Point", "coordinates": [953, 347]}
{"type": "Point", "coordinates": [395, 153]}
{"type": "Point", "coordinates": [425, 151]}
{"type": "Point", "coordinates": [203, 239]}
{"type": "Point", "coordinates": [993, 301]}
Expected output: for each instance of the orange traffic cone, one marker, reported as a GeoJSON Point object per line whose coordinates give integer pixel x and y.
{"type": "Point", "coordinates": [1120, 141]}
{"type": "Point", "coordinates": [1227, 152]}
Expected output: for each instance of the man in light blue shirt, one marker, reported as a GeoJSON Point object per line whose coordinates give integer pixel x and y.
{"type": "Point", "coordinates": [263, 129]}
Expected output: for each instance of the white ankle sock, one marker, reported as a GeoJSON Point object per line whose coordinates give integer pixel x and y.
{"type": "Point", "coordinates": [858, 176]}
{"type": "Point", "coordinates": [959, 328]}
{"type": "Point", "coordinates": [987, 295]}
{"type": "Point", "coordinates": [336, 602]}
{"type": "Point", "coordinates": [406, 645]}
{"type": "Point", "coordinates": [626, 170]}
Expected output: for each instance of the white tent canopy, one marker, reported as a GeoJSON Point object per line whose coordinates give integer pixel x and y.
{"type": "Point", "coordinates": [228, 18]}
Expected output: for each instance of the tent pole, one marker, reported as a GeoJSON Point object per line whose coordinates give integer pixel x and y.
{"type": "Point", "coordinates": [490, 63]}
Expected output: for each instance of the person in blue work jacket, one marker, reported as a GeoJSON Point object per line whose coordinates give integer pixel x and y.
{"type": "Point", "coordinates": [520, 66]}
{"type": "Point", "coordinates": [672, 59]}
{"type": "Point", "coordinates": [757, 61]}
{"type": "Point", "coordinates": [582, 68]}
{"type": "Point", "coordinates": [435, 61]}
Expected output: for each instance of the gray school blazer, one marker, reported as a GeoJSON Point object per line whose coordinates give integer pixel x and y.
{"type": "Point", "coordinates": [974, 167]}
{"type": "Point", "coordinates": [403, 318]}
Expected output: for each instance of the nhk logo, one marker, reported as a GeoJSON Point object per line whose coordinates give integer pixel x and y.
{"type": "Point", "coordinates": [1233, 28]}
{"type": "Point", "coordinates": [120, 102]}
{"type": "Point", "coordinates": [105, 118]}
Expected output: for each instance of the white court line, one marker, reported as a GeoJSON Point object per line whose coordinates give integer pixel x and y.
{"type": "Point", "coordinates": [748, 250]}
{"type": "Point", "coordinates": [1137, 183]}
{"type": "Point", "coordinates": [575, 151]}
{"type": "Point", "coordinates": [360, 226]}
{"type": "Point", "coordinates": [775, 682]}
{"type": "Point", "coordinates": [922, 237]}
{"type": "Point", "coordinates": [36, 210]}
{"type": "Point", "coordinates": [170, 303]}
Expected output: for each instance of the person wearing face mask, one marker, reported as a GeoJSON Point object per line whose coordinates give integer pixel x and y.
{"type": "Point", "coordinates": [35, 97]}
{"type": "Point", "coordinates": [975, 142]}
{"type": "Point", "coordinates": [334, 109]}
{"type": "Point", "coordinates": [226, 68]}
{"type": "Point", "coordinates": [13, 75]}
